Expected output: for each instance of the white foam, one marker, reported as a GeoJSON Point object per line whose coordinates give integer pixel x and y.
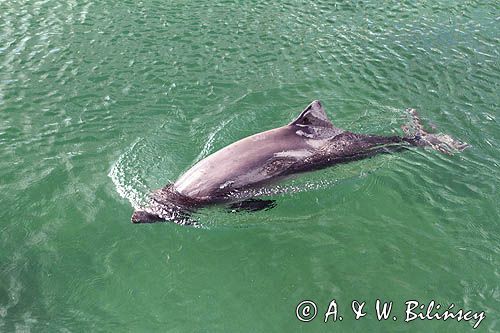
{"type": "Point", "coordinates": [126, 190]}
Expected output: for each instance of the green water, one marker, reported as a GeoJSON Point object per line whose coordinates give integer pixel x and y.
{"type": "Point", "coordinates": [101, 102]}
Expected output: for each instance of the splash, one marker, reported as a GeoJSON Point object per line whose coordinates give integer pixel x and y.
{"type": "Point", "coordinates": [126, 187]}
{"type": "Point", "coordinates": [210, 140]}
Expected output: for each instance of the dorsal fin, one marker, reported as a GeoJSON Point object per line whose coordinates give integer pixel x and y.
{"type": "Point", "coordinates": [313, 115]}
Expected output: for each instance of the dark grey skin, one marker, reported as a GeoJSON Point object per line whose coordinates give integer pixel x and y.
{"type": "Point", "coordinates": [309, 143]}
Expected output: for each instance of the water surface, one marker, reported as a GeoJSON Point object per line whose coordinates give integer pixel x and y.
{"type": "Point", "coordinates": [101, 102]}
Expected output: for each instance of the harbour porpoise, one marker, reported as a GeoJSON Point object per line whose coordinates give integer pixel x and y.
{"type": "Point", "coordinates": [308, 143]}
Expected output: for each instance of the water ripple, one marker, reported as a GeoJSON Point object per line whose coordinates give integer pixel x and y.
{"type": "Point", "coordinates": [139, 91]}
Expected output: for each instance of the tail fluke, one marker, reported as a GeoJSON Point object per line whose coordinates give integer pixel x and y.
{"type": "Point", "coordinates": [417, 135]}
